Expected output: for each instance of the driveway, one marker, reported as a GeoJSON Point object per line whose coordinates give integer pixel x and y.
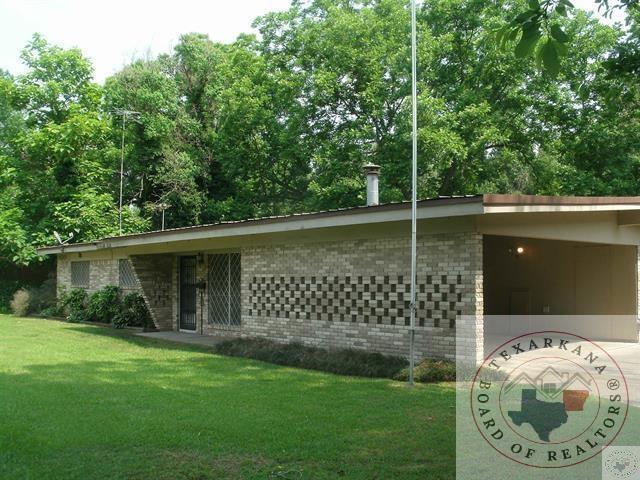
{"type": "Point", "coordinates": [626, 354]}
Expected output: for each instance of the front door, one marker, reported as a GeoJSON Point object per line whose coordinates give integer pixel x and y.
{"type": "Point", "coordinates": [188, 293]}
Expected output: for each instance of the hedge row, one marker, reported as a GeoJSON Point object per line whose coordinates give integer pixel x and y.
{"type": "Point", "coordinates": [339, 361]}
{"type": "Point", "coordinates": [107, 305]}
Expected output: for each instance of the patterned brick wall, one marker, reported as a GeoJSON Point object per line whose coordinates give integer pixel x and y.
{"type": "Point", "coordinates": [347, 293]}
{"type": "Point", "coordinates": [375, 299]}
{"type": "Point", "coordinates": [356, 293]}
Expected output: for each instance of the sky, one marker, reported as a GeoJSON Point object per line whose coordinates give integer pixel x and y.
{"type": "Point", "coordinates": [112, 33]}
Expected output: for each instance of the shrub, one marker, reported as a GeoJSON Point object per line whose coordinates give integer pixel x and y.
{"type": "Point", "coordinates": [20, 302]}
{"type": "Point", "coordinates": [55, 311]}
{"type": "Point", "coordinates": [429, 371]}
{"type": "Point", "coordinates": [74, 303]}
{"type": "Point", "coordinates": [7, 289]}
{"type": "Point", "coordinates": [104, 305]}
{"type": "Point", "coordinates": [134, 312]}
{"type": "Point", "coordinates": [340, 361]}
{"type": "Point", "coordinates": [42, 297]}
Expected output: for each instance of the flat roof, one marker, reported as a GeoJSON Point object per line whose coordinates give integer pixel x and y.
{"type": "Point", "coordinates": [439, 207]}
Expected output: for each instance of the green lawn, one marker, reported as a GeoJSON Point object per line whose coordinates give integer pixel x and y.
{"type": "Point", "coordinates": [84, 402]}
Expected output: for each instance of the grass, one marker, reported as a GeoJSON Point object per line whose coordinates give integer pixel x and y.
{"type": "Point", "coordinates": [85, 402]}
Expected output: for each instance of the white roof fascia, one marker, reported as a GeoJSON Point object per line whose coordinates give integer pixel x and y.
{"type": "Point", "coordinates": [557, 208]}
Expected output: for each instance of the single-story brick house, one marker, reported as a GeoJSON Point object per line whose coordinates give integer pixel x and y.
{"type": "Point", "coordinates": [341, 278]}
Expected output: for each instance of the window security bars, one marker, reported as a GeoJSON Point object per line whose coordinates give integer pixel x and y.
{"type": "Point", "coordinates": [126, 276]}
{"type": "Point", "coordinates": [80, 274]}
{"type": "Point", "coordinates": [224, 289]}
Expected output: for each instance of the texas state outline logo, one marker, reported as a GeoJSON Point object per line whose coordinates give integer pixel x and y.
{"type": "Point", "coordinates": [549, 399]}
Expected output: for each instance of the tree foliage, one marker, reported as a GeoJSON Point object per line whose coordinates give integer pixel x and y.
{"type": "Point", "coordinates": [55, 157]}
{"type": "Point", "coordinates": [538, 29]}
{"type": "Point", "coordinates": [528, 96]}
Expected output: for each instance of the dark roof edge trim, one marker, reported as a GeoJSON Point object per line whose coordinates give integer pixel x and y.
{"type": "Point", "coordinates": [508, 200]}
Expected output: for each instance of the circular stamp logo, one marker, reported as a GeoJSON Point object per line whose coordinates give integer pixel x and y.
{"type": "Point", "coordinates": [549, 399]}
{"type": "Point", "coordinates": [621, 463]}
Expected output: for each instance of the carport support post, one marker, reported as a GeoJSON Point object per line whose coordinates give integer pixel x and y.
{"type": "Point", "coordinates": [414, 175]}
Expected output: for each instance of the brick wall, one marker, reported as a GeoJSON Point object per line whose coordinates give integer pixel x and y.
{"type": "Point", "coordinates": [63, 274]}
{"type": "Point", "coordinates": [341, 293]}
{"type": "Point", "coordinates": [153, 279]}
{"type": "Point", "coordinates": [155, 275]}
{"type": "Point", "coordinates": [638, 290]}
{"type": "Point", "coordinates": [356, 293]}
{"type": "Point", "coordinates": [102, 272]}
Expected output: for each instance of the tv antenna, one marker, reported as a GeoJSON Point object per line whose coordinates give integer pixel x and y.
{"type": "Point", "coordinates": [59, 239]}
{"type": "Point", "coordinates": [124, 114]}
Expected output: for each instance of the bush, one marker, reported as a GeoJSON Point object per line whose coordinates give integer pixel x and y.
{"type": "Point", "coordinates": [55, 311]}
{"type": "Point", "coordinates": [74, 304]}
{"type": "Point", "coordinates": [429, 371]}
{"type": "Point", "coordinates": [42, 297]}
{"type": "Point", "coordinates": [8, 288]}
{"type": "Point", "coordinates": [134, 312]}
{"type": "Point", "coordinates": [340, 361]}
{"type": "Point", "coordinates": [20, 302]}
{"type": "Point", "coordinates": [104, 305]}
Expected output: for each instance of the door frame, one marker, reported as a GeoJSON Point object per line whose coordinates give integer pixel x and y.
{"type": "Point", "coordinates": [179, 319]}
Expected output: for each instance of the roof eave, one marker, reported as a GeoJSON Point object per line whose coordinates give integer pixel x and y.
{"type": "Point", "coordinates": [360, 216]}
{"type": "Point", "coordinates": [74, 247]}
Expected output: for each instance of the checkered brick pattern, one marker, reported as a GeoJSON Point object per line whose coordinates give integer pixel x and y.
{"type": "Point", "coordinates": [376, 299]}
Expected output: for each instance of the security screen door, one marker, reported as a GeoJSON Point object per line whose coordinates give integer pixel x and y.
{"type": "Point", "coordinates": [224, 289]}
{"type": "Point", "coordinates": [188, 293]}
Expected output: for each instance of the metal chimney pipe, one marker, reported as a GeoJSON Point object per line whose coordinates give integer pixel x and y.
{"type": "Point", "coordinates": [372, 172]}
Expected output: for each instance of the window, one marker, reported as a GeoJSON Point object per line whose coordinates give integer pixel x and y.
{"type": "Point", "coordinates": [80, 274]}
{"type": "Point", "coordinates": [126, 277]}
{"type": "Point", "coordinates": [224, 289]}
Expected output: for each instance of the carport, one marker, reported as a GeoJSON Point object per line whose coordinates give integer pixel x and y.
{"type": "Point", "coordinates": [570, 267]}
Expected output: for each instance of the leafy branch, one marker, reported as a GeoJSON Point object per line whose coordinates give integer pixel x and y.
{"type": "Point", "coordinates": [538, 32]}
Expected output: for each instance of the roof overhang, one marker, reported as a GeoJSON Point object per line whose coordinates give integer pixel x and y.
{"type": "Point", "coordinates": [539, 203]}
{"type": "Point", "coordinates": [391, 212]}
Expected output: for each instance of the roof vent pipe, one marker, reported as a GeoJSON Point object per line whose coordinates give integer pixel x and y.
{"type": "Point", "coordinates": [372, 172]}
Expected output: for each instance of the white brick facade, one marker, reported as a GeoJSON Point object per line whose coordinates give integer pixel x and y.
{"type": "Point", "coordinates": [339, 293]}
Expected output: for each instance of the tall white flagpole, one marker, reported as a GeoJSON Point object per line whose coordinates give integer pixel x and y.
{"type": "Point", "coordinates": [414, 175]}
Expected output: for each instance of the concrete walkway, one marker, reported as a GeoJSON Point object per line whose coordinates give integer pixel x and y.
{"type": "Point", "coordinates": [179, 337]}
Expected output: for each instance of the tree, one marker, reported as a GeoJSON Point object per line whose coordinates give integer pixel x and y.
{"type": "Point", "coordinates": [538, 29]}
{"type": "Point", "coordinates": [284, 121]}
{"type": "Point", "coordinates": [211, 140]}
{"type": "Point", "coordinates": [55, 154]}
{"type": "Point", "coordinates": [348, 64]}
{"type": "Point", "coordinates": [488, 121]}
